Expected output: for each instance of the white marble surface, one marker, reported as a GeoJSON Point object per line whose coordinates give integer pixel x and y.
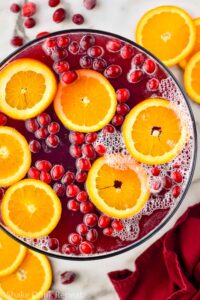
{"type": "Point", "coordinates": [118, 16]}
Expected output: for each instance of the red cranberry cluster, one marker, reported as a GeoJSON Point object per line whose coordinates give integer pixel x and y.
{"type": "Point", "coordinates": [122, 96]}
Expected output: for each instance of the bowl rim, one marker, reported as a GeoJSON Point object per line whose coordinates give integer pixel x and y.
{"type": "Point", "coordinates": [174, 210]}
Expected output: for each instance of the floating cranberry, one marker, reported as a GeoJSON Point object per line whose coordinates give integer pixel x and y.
{"type": "Point", "coordinates": [59, 15]}
{"type": "Point", "coordinates": [127, 52]}
{"type": "Point", "coordinates": [67, 277]}
{"type": "Point", "coordinates": [176, 191]}
{"type": "Point", "coordinates": [72, 190]}
{"type": "Point", "coordinates": [117, 225]}
{"type": "Point", "coordinates": [89, 4]}
{"type": "Point", "coordinates": [44, 119]}
{"type": "Point", "coordinates": [108, 231]}
{"type": "Point", "coordinates": [86, 247]}
{"type": "Point", "coordinates": [88, 151]}
{"type": "Point", "coordinates": [53, 243]}
{"type": "Point", "coordinates": [176, 166]}
{"type": "Point", "coordinates": [167, 182]}
{"type": "Point", "coordinates": [82, 229]}
{"type": "Point", "coordinates": [87, 41]}
{"type": "Point", "coordinates": [43, 33]}
{"type": "Point", "coordinates": [92, 235]}
{"type": "Point", "coordinates": [51, 295]}
{"type": "Point", "coordinates": [29, 9]}
{"type": "Point", "coordinates": [74, 238]}
{"type": "Point", "coordinates": [33, 173]}
{"type": "Point", "coordinates": [99, 64]}
{"type": "Point", "coordinates": [29, 23]}
{"type": "Point", "coordinates": [135, 76]}
{"type": "Point", "coordinates": [58, 54]}
{"type": "Point", "coordinates": [34, 146]}
{"type": "Point", "coordinates": [155, 171]}
{"type": "Point", "coordinates": [43, 165]}
{"type": "Point", "coordinates": [69, 77]}
{"type": "Point", "coordinates": [153, 84]}
{"type": "Point", "coordinates": [95, 51]}
{"type": "Point", "coordinates": [52, 141]}
{"type": "Point", "coordinates": [138, 60]}
{"type": "Point", "coordinates": [122, 95]}
{"type": "Point", "coordinates": [113, 71]}
{"type": "Point", "coordinates": [69, 249]}
{"type": "Point", "coordinates": [122, 108]}
{"type": "Point", "coordinates": [108, 129]}
{"type": "Point", "coordinates": [63, 41]}
{"type": "Point", "coordinates": [59, 189]}
{"type": "Point", "coordinates": [157, 186]}
{"type": "Point", "coordinates": [68, 178]}
{"type": "Point", "coordinates": [85, 62]}
{"type": "Point", "coordinates": [41, 133]}
{"type": "Point", "coordinates": [57, 172]}
{"type": "Point", "coordinates": [90, 220]}
{"type": "Point", "coordinates": [73, 205]}
{"type": "Point", "coordinates": [31, 125]}
{"type": "Point", "coordinates": [51, 43]}
{"type": "Point", "coordinates": [76, 137]}
{"type": "Point", "coordinates": [149, 66]}
{"type": "Point", "coordinates": [83, 164]}
{"type": "Point", "coordinates": [117, 120]}
{"type": "Point", "coordinates": [90, 137]}
{"type": "Point", "coordinates": [53, 3]}
{"type": "Point", "coordinates": [3, 119]}
{"type": "Point", "coordinates": [177, 176]}
{"type": "Point", "coordinates": [53, 128]}
{"type": "Point", "coordinates": [75, 151]}
{"type": "Point", "coordinates": [114, 45]}
{"type": "Point", "coordinates": [78, 19]}
{"type": "Point", "coordinates": [61, 66]}
{"type": "Point", "coordinates": [104, 221]}
{"type": "Point", "coordinates": [86, 207]}
{"type": "Point", "coordinates": [17, 41]}
{"type": "Point", "coordinates": [82, 196]}
{"type": "Point", "coordinates": [81, 176]}
{"type": "Point", "coordinates": [45, 177]}
{"type": "Point", "coordinates": [15, 8]}
{"type": "Point", "coordinates": [74, 48]}
{"type": "Point", "coordinates": [100, 149]}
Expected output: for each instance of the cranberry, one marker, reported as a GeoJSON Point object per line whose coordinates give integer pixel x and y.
{"type": "Point", "coordinates": [153, 84]}
{"type": "Point", "coordinates": [83, 164]}
{"type": "Point", "coordinates": [17, 41]}
{"type": "Point", "coordinates": [177, 176]}
{"type": "Point", "coordinates": [113, 71]}
{"type": "Point", "coordinates": [82, 196]}
{"type": "Point", "coordinates": [82, 229]}
{"type": "Point", "coordinates": [117, 120]}
{"type": "Point", "coordinates": [122, 95]}
{"type": "Point", "coordinates": [89, 4]}
{"type": "Point", "coordinates": [156, 187]}
{"type": "Point", "coordinates": [59, 15]}
{"type": "Point", "coordinates": [41, 133]}
{"type": "Point", "coordinates": [167, 182]}
{"type": "Point", "coordinates": [86, 247]}
{"type": "Point", "coordinates": [90, 220]}
{"type": "Point", "coordinates": [1, 193]}
{"type": "Point", "coordinates": [51, 295]}
{"type": "Point", "coordinates": [88, 151]}
{"type": "Point", "coordinates": [57, 172]}
{"type": "Point", "coordinates": [114, 45]}
{"type": "Point", "coordinates": [85, 62]}
{"type": "Point", "coordinates": [58, 54]}
{"type": "Point", "coordinates": [63, 41]}
{"type": "Point", "coordinates": [138, 59]}
{"type": "Point", "coordinates": [75, 151]}
{"type": "Point", "coordinates": [34, 146]}
{"type": "Point", "coordinates": [29, 23]}
{"type": "Point", "coordinates": [155, 171]}
{"type": "Point", "coordinates": [29, 9]}
{"type": "Point", "coordinates": [117, 225]}
{"type": "Point", "coordinates": [33, 173]}
{"type": "Point", "coordinates": [44, 119]}
{"type": "Point", "coordinates": [59, 189]}
{"type": "Point", "coordinates": [108, 129]}
{"type": "Point", "coordinates": [69, 249]}
{"type": "Point", "coordinates": [68, 178]}
{"type": "Point", "coordinates": [92, 235]}
{"type": "Point", "coordinates": [3, 119]}
{"type": "Point", "coordinates": [73, 205]}
{"type": "Point", "coordinates": [67, 277]}
{"type": "Point", "coordinates": [43, 33]}
{"type": "Point", "coordinates": [31, 125]}
{"type": "Point", "coordinates": [43, 165]}
{"type": "Point", "coordinates": [126, 52]}
{"type": "Point", "coordinates": [176, 191]}
{"type": "Point", "coordinates": [78, 19]}
{"type": "Point", "coordinates": [45, 177]}
{"type": "Point", "coordinates": [61, 66]}
{"type": "Point", "coordinates": [53, 243]}
{"type": "Point", "coordinates": [87, 41]}
{"type": "Point", "coordinates": [53, 128]}
{"type": "Point", "coordinates": [81, 176]}
{"type": "Point", "coordinates": [104, 221]}
{"type": "Point", "coordinates": [52, 141]}
{"type": "Point", "coordinates": [86, 207]}
{"type": "Point", "coordinates": [76, 137]}
{"type": "Point", "coordinates": [122, 109]}
{"type": "Point", "coordinates": [72, 190]}
{"type": "Point", "coordinates": [69, 77]}
{"type": "Point", "coordinates": [15, 8]}
{"type": "Point", "coordinates": [108, 231]}
{"type": "Point", "coordinates": [95, 51]}
{"type": "Point", "coordinates": [99, 64]}
{"type": "Point", "coordinates": [73, 48]}
{"type": "Point", "coordinates": [135, 76]}
{"type": "Point", "coordinates": [91, 137]}
{"type": "Point", "coordinates": [51, 43]}
{"type": "Point", "coordinates": [149, 66]}
{"type": "Point", "coordinates": [176, 166]}
{"type": "Point", "coordinates": [74, 238]}
{"type": "Point", "coordinates": [100, 149]}
{"type": "Point", "coordinates": [53, 3]}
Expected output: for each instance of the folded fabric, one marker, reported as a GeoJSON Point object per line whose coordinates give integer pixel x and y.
{"type": "Point", "coordinates": [169, 269]}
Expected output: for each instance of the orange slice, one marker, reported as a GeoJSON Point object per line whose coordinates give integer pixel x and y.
{"type": "Point", "coordinates": [27, 88]}
{"type": "Point", "coordinates": [192, 77]}
{"type": "Point", "coordinates": [15, 156]}
{"type": "Point", "coordinates": [31, 208]}
{"type": "Point", "coordinates": [153, 132]}
{"type": "Point", "coordinates": [87, 104]}
{"type": "Point", "coordinates": [196, 48]}
{"type": "Point", "coordinates": [168, 32]}
{"type": "Point", "coordinates": [117, 193]}
{"type": "Point", "coordinates": [11, 254]}
{"type": "Point", "coordinates": [30, 281]}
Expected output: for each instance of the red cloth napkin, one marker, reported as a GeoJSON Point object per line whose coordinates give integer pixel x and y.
{"type": "Point", "coordinates": [169, 269]}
